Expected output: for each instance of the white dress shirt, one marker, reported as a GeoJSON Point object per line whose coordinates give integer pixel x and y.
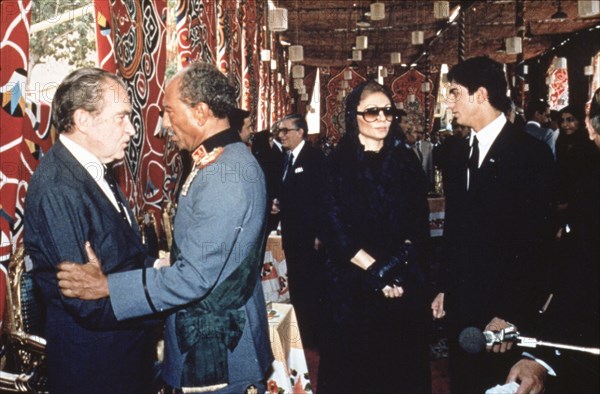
{"type": "Point", "coordinates": [487, 136]}
{"type": "Point", "coordinates": [297, 150]}
{"type": "Point", "coordinates": [93, 166]}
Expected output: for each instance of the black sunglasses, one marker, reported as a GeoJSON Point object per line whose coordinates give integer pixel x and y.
{"type": "Point", "coordinates": [371, 114]}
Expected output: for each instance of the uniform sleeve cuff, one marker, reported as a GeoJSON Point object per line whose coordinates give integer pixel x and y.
{"type": "Point", "coordinates": [551, 371]}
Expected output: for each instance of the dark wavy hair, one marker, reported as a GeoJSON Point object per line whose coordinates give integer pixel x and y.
{"type": "Point", "coordinates": [82, 89]}
{"type": "Point", "coordinates": [484, 72]}
{"type": "Point", "coordinates": [203, 82]}
{"type": "Point", "coordinates": [353, 100]}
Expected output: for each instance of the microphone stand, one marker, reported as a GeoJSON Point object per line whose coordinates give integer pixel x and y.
{"type": "Point", "coordinates": [532, 343]}
{"type": "Point", "coordinates": [512, 335]}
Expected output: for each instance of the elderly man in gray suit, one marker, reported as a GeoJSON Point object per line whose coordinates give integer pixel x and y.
{"type": "Point", "coordinates": [216, 335]}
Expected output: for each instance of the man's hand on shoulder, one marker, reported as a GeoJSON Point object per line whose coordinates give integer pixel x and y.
{"type": "Point", "coordinates": [84, 281]}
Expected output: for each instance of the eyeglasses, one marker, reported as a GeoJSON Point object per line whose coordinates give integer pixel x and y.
{"type": "Point", "coordinates": [371, 114]}
{"type": "Point", "coordinates": [285, 131]}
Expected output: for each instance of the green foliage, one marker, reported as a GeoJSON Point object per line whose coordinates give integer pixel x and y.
{"type": "Point", "coordinates": [73, 40]}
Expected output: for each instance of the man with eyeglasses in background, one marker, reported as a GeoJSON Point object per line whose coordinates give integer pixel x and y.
{"type": "Point", "coordinates": [301, 185]}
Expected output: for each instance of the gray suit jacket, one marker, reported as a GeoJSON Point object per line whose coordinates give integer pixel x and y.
{"type": "Point", "coordinates": [541, 133]}
{"type": "Point", "coordinates": [217, 222]}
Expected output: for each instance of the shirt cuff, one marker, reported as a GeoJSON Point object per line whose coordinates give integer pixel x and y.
{"type": "Point", "coordinates": [551, 371]}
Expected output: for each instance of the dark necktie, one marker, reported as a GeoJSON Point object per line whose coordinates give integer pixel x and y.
{"type": "Point", "coordinates": [473, 163]}
{"type": "Point", "coordinates": [289, 164]}
{"type": "Point", "coordinates": [418, 151]}
{"type": "Point", "coordinates": [113, 187]}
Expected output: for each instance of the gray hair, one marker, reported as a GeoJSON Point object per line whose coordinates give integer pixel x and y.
{"type": "Point", "coordinates": [81, 89]}
{"type": "Point", "coordinates": [203, 82]}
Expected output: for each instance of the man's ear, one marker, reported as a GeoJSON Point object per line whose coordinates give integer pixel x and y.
{"type": "Point", "coordinates": [481, 95]}
{"type": "Point", "coordinates": [200, 112]}
{"type": "Point", "coordinates": [82, 120]}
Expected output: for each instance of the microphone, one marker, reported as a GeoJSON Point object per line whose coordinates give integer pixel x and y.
{"type": "Point", "coordinates": [472, 340]}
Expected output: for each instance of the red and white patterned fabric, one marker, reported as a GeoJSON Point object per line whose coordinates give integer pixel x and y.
{"type": "Point", "coordinates": [410, 83]}
{"type": "Point", "coordinates": [131, 42]}
{"type": "Point", "coordinates": [25, 132]}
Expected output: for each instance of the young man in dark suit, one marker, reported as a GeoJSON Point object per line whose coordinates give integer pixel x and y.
{"type": "Point", "coordinates": [499, 195]}
{"type": "Point", "coordinates": [302, 184]}
{"type": "Point", "coordinates": [70, 201]}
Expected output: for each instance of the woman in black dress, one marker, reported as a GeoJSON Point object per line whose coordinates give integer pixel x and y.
{"type": "Point", "coordinates": [375, 214]}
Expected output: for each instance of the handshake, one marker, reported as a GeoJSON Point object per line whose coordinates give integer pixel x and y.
{"type": "Point", "coordinates": [390, 271]}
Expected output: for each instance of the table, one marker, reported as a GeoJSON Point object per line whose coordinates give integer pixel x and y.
{"type": "Point", "coordinates": [290, 371]}
{"type": "Point", "coordinates": [274, 271]}
{"type": "Point", "coordinates": [437, 208]}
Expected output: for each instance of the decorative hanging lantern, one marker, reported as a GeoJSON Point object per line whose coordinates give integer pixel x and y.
{"type": "Point", "coordinates": [377, 11]}
{"type": "Point", "coordinates": [411, 98]}
{"type": "Point", "coordinates": [265, 55]}
{"type": "Point", "coordinates": [526, 87]}
{"type": "Point", "coordinates": [514, 45]}
{"type": "Point", "coordinates": [425, 87]}
{"type": "Point", "coordinates": [302, 89]}
{"type": "Point", "coordinates": [418, 37]}
{"type": "Point", "coordinates": [441, 9]}
{"type": "Point", "coordinates": [340, 95]}
{"type": "Point", "coordinates": [587, 8]}
{"type": "Point", "coordinates": [297, 71]}
{"type": "Point", "coordinates": [560, 62]}
{"type": "Point", "coordinates": [383, 72]}
{"type": "Point", "coordinates": [296, 53]}
{"type": "Point", "coordinates": [344, 84]}
{"type": "Point", "coordinates": [278, 19]}
{"type": "Point", "coordinates": [588, 70]}
{"type": "Point", "coordinates": [304, 97]}
{"type": "Point", "coordinates": [279, 77]}
{"type": "Point", "coordinates": [395, 58]}
{"type": "Point", "coordinates": [298, 83]}
{"type": "Point", "coordinates": [347, 75]}
{"type": "Point", "coordinates": [273, 64]}
{"type": "Point", "coordinates": [400, 105]}
{"type": "Point", "coordinates": [362, 42]}
{"type": "Point", "coordinates": [525, 69]}
{"type": "Point", "coordinates": [356, 55]}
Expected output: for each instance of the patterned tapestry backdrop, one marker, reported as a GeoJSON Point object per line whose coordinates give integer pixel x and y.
{"type": "Point", "coordinates": [332, 106]}
{"type": "Point", "coordinates": [25, 131]}
{"type": "Point", "coordinates": [196, 31]}
{"type": "Point", "coordinates": [225, 33]}
{"type": "Point", "coordinates": [407, 90]}
{"type": "Point", "coordinates": [133, 34]}
{"type": "Point", "coordinates": [251, 42]}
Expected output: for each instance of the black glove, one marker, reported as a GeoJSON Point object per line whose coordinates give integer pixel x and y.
{"type": "Point", "coordinates": [387, 272]}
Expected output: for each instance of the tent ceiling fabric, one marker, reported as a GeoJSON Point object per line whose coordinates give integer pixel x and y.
{"type": "Point", "coordinates": [327, 29]}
